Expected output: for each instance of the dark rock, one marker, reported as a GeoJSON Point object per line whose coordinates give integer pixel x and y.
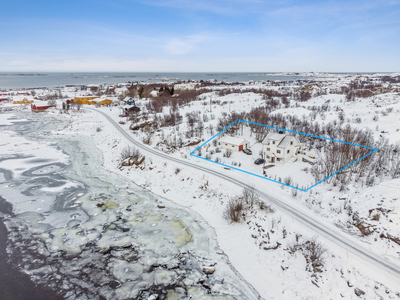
{"type": "Point", "coordinates": [359, 292]}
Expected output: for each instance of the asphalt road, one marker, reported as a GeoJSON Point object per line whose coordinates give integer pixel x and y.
{"type": "Point", "coordinates": [315, 223]}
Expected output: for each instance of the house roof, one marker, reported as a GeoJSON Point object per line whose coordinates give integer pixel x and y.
{"type": "Point", "coordinates": [273, 136]}
{"type": "Point", "coordinates": [277, 136]}
{"type": "Point", "coordinates": [233, 140]}
{"type": "Point", "coordinates": [285, 141]}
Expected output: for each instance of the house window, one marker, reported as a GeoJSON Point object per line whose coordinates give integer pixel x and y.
{"type": "Point", "coordinates": [278, 151]}
{"type": "Point", "coordinates": [233, 146]}
{"type": "Point", "coordinates": [267, 156]}
{"type": "Point", "coordinates": [226, 144]}
{"type": "Point", "coordinates": [288, 151]}
{"type": "Point", "coordinates": [298, 152]}
{"type": "Point", "coordinates": [278, 159]}
{"type": "Point", "coordinates": [291, 143]}
{"type": "Point", "coordinates": [268, 149]}
{"type": "Point", "coordinates": [273, 142]}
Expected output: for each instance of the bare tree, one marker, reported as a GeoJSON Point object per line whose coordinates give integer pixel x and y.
{"type": "Point", "coordinates": [233, 210]}
{"type": "Point", "coordinates": [78, 104]}
{"type": "Point", "coordinates": [250, 196]}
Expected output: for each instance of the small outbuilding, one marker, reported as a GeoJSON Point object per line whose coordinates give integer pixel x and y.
{"type": "Point", "coordinates": [234, 143]}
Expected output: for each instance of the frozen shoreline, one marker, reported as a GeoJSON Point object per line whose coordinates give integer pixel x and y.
{"type": "Point", "coordinates": [167, 243]}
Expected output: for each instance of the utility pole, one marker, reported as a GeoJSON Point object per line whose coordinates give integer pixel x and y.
{"type": "Point", "coordinates": [210, 103]}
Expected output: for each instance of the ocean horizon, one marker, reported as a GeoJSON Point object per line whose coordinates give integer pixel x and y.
{"type": "Point", "coordinates": [30, 80]}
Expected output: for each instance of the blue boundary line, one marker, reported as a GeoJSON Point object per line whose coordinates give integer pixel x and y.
{"type": "Point", "coordinates": [263, 177]}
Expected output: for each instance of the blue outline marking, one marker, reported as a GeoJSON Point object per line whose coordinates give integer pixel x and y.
{"type": "Point", "coordinates": [263, 177]}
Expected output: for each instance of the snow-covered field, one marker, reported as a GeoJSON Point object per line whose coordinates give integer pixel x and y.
{"type": "Point", "coordinates": [267, 247]}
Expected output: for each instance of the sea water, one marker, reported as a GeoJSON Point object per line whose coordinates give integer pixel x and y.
{"type": "Point", "coordinates": [89, 233]}
{"type": "Point", "coordinates": [14, 80]}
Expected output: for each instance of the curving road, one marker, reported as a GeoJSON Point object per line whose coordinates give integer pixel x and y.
{"type": "Point", "coordinates": [315, 223]}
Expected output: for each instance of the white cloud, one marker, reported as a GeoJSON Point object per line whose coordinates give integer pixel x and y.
{"type": "Point", "coordinates": [186, 45]}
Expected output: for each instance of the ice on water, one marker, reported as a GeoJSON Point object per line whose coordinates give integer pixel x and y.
{"type": "Point", "coordinates": [90, 233]}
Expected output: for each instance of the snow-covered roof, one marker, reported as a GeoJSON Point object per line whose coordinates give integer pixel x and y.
{"type": "Point", "coordinates": [277, 136]}
{"type": "Point", "coordinates": [233, 140]}
{"type": "Point", "coordinates": [267, 138]}
{"type": "Point", "coordinates": [285, 141]}
{"type": "Point", "coordinates": [282, 137]}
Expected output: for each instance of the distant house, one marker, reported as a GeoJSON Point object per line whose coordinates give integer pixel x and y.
{"type": "Point", "coordinates": [24, 101]}
{"type": "Point", "coordinates": [129, 101]}
{"type": "Point", "coordinates": [234, 143]}
{"type": "Point", "coordinates": [85, 99]}
{"type": "Point", "coordinates": [280, 147]}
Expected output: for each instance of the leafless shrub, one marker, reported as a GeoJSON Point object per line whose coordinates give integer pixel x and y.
{"type": "Point", "coordinates": [288, 180]}
{"type": "Point", "coordinates": [177, 170]}
{"type": "Point", "coordinates": [263, 206]}
{"type": "Point", "coordinates": [376, 217]}
{"type": "Point", "coordinates": [250, 196]}
{"type": "Point", "coordinates": [98, 129]}
{"type": "Point", "coordinates": [312, 250]}
{"type": "Point", "coordinates": [233, 210]}
{"type": "Point", "coordinates": [129, 152]}
{"type": "Point", "coordinates": [147, 139]}
{"type": "Point", "coordinates": [78, 104]}
{"type": "Point", "coordinates": [314, 253]}
{"type": "Point", "coordinates": [227, 153]}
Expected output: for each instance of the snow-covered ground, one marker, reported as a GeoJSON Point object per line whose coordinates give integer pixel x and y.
{"type": "Point", "coordinates": [368, 214]}
{"type": "Point", "coordinates": [208, 196]}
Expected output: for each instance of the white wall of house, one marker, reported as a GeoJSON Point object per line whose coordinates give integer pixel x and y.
{"type": "Point", "coordinates": [273, 153]}
{"type": "Point", "coordinates": [228, 146]}
{"type": "Point", "coordinates": [233, 144]}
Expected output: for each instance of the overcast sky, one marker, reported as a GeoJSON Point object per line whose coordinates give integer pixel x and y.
{"type": "Point", "coordinates": [200, 35]}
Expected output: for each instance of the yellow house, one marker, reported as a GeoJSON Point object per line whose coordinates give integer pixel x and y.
{"type": "Point", "coordinates": [106, 102]}
{"type": "Point", "coordinates": [24, 101]}
{"type": "Point", "coordinates": [85, 100]}
{"type": "Point", "coordinates": [92, 102]}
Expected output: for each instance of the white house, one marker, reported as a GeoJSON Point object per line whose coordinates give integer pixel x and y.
{"type": "Point", "coordinates": [281, 147]}
{"type": "Point", "coordinates": [234, 143]}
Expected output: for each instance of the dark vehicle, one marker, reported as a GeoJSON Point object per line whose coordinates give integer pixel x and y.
{"type": "Point", "coordinates": [259, 161]}
{"type": "Point", "coordinates": [247, 151]}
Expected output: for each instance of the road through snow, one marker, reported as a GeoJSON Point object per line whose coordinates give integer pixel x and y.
{"type": "Point", "coordinates": [346, 244]}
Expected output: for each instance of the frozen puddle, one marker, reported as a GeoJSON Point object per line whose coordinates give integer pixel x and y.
{"type": "Point", "coordinates": [95, 235]}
